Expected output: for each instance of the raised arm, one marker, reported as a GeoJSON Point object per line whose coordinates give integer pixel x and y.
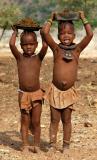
{"type": "Point", "coordinates": [46, 35]}
{"type": "Point", "coordinates": [89, 34]}
{"type": "Point", "coordinates": [44, 48]}
{"type": "Point", "coordinates": [12, 45]}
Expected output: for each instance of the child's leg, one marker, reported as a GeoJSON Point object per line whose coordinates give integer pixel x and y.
{"type": "Point", "coordinates": [36, 114]}
{"type": "Point", "coordinates": [66, 120]}
{"type": "Point", "coordinates": [31, 130]}
{"type": "Point", "coordinates": [25, 119]}
{"type": "Point", "coordinates": [55, 118]}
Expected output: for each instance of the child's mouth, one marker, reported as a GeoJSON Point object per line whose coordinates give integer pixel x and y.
{"type": "Point", "coordinates": [29, 50]}
{"type": "Point", "coordinates": [66, 41]}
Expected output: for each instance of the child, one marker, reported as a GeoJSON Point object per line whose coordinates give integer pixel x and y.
{"type": "Point", "coordinates": [62, 94]}
{"type": "Point", "coordinates": [30, 94]}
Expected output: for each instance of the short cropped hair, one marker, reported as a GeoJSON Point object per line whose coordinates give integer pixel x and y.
{"type": "Point", "coordinates": [62, 24]}
{"type": "Point", "coordinates": [24, 33]}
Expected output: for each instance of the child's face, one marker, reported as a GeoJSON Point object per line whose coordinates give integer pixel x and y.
{"type": "Point", "coordinates": [66, 34]}
{"type": "Point", "coordinates": [28, 44]}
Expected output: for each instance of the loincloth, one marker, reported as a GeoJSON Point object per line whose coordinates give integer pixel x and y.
{"type": "Point", "coordinates": [61, 99]}
{"type": "Point", "coordinates": [27, 99]}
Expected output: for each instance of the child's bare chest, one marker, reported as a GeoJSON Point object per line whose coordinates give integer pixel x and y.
{"type": "Point", "coordinates": [29, 63]}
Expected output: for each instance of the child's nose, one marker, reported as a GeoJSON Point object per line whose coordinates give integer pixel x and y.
{"type": "Point", "coordinates": [66, 34]}
{"type": "Point", "coordinates": [28, 46]}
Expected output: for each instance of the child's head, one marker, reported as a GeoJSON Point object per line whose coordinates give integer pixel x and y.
{"type": "Point", "coordinates": [28, 42]}
{"type": "Point", "coordinates": [66, 33]}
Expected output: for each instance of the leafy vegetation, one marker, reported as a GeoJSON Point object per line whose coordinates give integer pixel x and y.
{"type": "Point", "coordinates": [9, 14]}
{"type": "Point", "coordinates": [40, 10]}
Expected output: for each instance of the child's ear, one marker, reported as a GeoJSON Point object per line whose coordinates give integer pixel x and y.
{"type": "Point", "coordinates": [36, 44]}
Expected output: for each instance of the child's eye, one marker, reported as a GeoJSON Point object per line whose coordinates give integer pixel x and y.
{"type": "Point", "coordinates": [24, 44]}
{"type": "Point", "coordinates": [61, 33]}
{"type": "Point", "coordinates": [69, 33]}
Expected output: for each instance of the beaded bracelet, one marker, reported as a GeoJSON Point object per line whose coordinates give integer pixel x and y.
{"type": "Point", "coordinates": [50, 21]}
{"type": "Point", "coordinates": [85, 21]}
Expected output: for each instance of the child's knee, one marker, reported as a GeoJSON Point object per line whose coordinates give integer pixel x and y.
{"type": "Point", "coordinates": [55, 120]}
{"type": "Point", "coordinates": [24, 113]}
{"type": "Point", "coordinates": [66, 121]}
{"type": "Point", "coordinates": [24, 117]}
{"type": "Point", "coordinates": [36, 123]}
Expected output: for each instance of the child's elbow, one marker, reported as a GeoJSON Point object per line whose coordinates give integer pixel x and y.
{"type": "Point", "coordinates": [11, 44]}
{"type": "Point", "coordinates": [91, 35]}
{"type": "Point", "coordinates": [43, 33]}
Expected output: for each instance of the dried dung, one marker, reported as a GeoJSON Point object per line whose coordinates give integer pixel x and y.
{"type": "Point", "coordinates": [27, 24]}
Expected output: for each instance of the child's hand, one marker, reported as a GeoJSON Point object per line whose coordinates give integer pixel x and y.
{"type": "Point", "coordinates": [15, 29]}
{"type": "Point", "coordinates": [53, 15]}
{"type": "Point", "coordinates": [82, 15]}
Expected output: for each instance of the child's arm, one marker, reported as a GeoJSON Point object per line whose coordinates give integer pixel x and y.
{"type": "Point", "coordinates": [44, 48]}
{"type": "Point", "coordinates": [89, 33]}
{"type": "Point", "coordinates": [12, 45]}
{"type": "Point", "coordinates": [45, 33]}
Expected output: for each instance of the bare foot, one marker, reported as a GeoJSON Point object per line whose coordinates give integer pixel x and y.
{"type": "Point", "coordinates": [31, 148]}
{"type": "Point", "coordinates": [52, 150]}
{"type": "Point", "coordinates": [25, 149]}
{"type": "Point", "coordinates": [37, 149]}
{"type": "Point", "coordinates": [66, 150]}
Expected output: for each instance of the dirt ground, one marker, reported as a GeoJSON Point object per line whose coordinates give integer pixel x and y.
{"type": "Point", "coordinates": [84, 119]}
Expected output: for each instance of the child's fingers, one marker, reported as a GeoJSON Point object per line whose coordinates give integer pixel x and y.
{"type": "Point", "coordinates": [81, 14]}
{"type": "Point", "coordinates": [53, 15]}
{"type": "Point", "coordinates": [13, 27]}
{"type": "Point", "coordinates": [15, 30]}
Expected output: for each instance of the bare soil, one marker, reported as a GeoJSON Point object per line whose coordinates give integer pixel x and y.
{"type": "Point", "coordinates": [84, 119]}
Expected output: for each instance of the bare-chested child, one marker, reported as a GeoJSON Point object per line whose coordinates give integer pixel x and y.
{"type": "Point", "coordinates": [62, 94]}
{"type": "Point", "coordinates": [30, 94]}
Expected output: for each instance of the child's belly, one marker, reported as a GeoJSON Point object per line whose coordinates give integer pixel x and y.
{"type": "Point", "coordinates": [29, 87]}
{"type": "Point", "coordinates": [29, 81]}
{"type": "Point", "coordinates": [64, 76]}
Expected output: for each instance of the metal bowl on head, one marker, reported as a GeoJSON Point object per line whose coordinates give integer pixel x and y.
{"type": "Point", "coordinates": [66, 15]}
